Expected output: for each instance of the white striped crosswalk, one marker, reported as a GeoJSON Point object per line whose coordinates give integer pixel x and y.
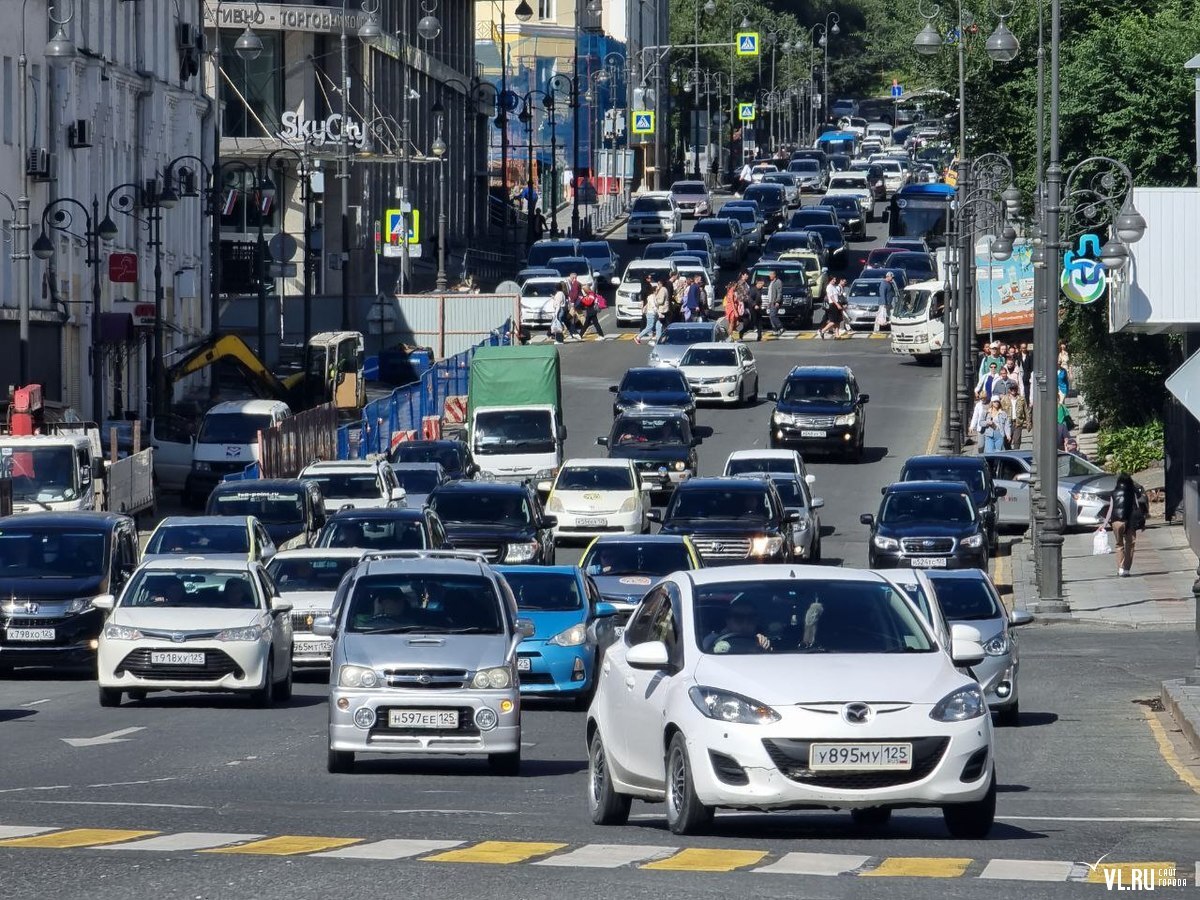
{"type": "Point", "coordinates": [184, 841]}
{"type": "Point", "coordinates": [389, 849]}
{"type": "Point", "coordinates": [815, 864]}
{"type": "Point", "coordinates": [607, 856]}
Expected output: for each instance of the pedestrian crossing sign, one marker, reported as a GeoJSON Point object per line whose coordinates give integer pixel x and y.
{"type": "Point", "coordinates": [746, 112]}
{"type": "Point", "coordinates": [643, 121]}
{"type": "Point", "coordinates": [747, 43]}
{"type": "Point", "coordinates": [394, 218]}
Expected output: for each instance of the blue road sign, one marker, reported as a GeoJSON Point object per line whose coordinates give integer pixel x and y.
{"type": "Point", "coordinates": [897, 90]}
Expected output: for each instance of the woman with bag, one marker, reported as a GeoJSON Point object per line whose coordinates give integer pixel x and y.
{"type": "Point", "coordinates": [589, 302]}
{"type": "Point", "coordinates": [996, 428]}
{"type": "Point", "coordinates": [558, 323]}
{"type": "Point", "coordinates": [1127, 519]}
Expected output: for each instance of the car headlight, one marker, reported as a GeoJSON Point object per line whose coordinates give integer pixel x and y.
{"type": "Point", "coordinates": [1084, 496]}
{"type": "Point", "coordinates": [523, 552]}
{"type": "Point", "coordinates": [974, 541]}
{"type": "Point", "coordinates": [358, 676]}
{"type": "Point", "coordinates": [960, 705]}
{"type": "Point", "coordinates": [554, 504]}
{"type": "Point", "coordinates": [848, 419]}
{"type": "Point", "coordinates": [572, 637]}
{"type": "Point", "coordinates": [630, 505]}
{"type": "Point", "coordinates": [803, 525]}
{"type": "Point", "coordinates": [726, 706]}
{"type": "Point", "coordinates": [766, 545]}
{"type": "Point", "coordinates": [250, 633]}
{"type": "Point", "coordinates": [782, 418]}
{"type": "Point", "coordinates": [680, 465]}
{"type": "Point", "coordinates": [77, 605]}
{"type": "Point", "coordinates": [200, 465]}
{"type": "Point", "coordinates": [885, 543]}
{"type": "Point", "coordinates": [997, 646]}
{"type": "Point", "coordinates": [497, 678]}
{"type": "Point", "coordinates": [727, 379]}
{"type": "Point", "coordinates": [121, 633]}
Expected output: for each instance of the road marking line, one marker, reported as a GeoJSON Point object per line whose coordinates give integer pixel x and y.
{"type": "Point", "coordinates": [698, 860]}
{"type": "Point", "coordinates": [185, 840]}
{"type": "Point", "coordinates": [1170, 757]}
{"type": "Point", "coordinates": [607, 856]}
{"type": "Point", "coordinates": [77, 837]}
{"type": "Point", "coordinates": [935, 433]}
{"type": "Point", "coordinates": [37, 702]}
{"type": "Point", "coordinates": [1121, 870]}
{"type": "Point", "coordinates": [497, 852]}
{"type": "Point", "coordinates": [1149, 819]}
{"type": "Point", "coordinates": [288, 845]}
{"type": "Point", "coordinates": [16, 831]}
{"type": "Point", "coordinates": [815, 864]}
{"type": "Point", "coordinates": [117, 803]}
{"type": "Point", "coordinates": [920, 867]}
{"type": "Point", "coordinates": [392, 849]}
{"type": "Point", "coordinates": [1027, 870]}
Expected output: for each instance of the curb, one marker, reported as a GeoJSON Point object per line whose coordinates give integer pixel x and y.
{"type": "Point", "coordinates": [1184, 709]}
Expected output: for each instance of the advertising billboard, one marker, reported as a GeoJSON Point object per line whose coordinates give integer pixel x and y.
{"type": "Point", "coordinates": [1003, 290]}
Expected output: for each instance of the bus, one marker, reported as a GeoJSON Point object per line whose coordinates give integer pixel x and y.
{"type": "Point", "coordinates": [921, 211]}
{"type": "Point", "coordinates": [835, 142]}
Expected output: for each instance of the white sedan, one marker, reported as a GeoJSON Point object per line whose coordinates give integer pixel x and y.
{"type": "Point", "coordinates": [591, 497]}
{"type": "Point", "coordinates": [789, 687]}
{"type": "Point", "coordinates": [721, 372]}
{"type": "Point", "coordinates": [196, 625]}
{"type": "Point", "coordinates": [537, 301]}
{"type": "Point", "coordinates": [308, 580]}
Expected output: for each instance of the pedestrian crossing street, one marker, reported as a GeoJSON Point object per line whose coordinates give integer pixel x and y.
{"type": "Point", "coordinates": [807, 335]}
{"type": "Point", "coordinates": [551, 854]}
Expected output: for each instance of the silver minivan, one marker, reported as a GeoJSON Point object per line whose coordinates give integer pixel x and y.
{"type": "Point", "coordinates": [424, 660]}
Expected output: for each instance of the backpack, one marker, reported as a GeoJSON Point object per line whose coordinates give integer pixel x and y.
{"type": "Point", "coordinates": [588, 298]}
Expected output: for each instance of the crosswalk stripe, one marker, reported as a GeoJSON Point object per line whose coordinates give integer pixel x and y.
{"type": "Point", "coordinates": [391, 849]}
{"type": "Point", "coordinates": [815, 864]}
{"type": "Point", "coordinates": [701, 860]}
{"type": "Point", "coordinates": [1027, 870]}
{"type": "Point", "coordinates": [920, 867]}
{"type": "Point", "coordinates": [497, 852]}
{"type": "Point", "coordinates": [77, 837]}
{"type": "Point", "coordinates": [16, 831]}
{"type": "Point", "coordinates": [287, 845]}
{"type": "Point", "coordinates": [1105, 871]}
{"type": "Point", "coordinates": [185, 840]}
{"type": "Point", "coordinates": [607, 856]}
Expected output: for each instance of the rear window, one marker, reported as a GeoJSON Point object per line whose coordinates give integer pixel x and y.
{"type": "Point", "coordinates": [964, 599]}
{"type": "Point", "coordinates": [310, 574]}
{"type": "Point", "coordinates": [424, 604]}
{"type": "Point", "coordinates": [545, 591]}
{"type": "Point", "coordinates": [716, 229]}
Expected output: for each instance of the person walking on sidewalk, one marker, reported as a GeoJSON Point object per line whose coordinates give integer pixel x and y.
{"type": "Point", "coordinates": [834, 314]}
{"type": "Point", "coordinates": [658, 307]}
{"type": "Point", "coordinates": [1017, 409]}
{"type": "Point", "coordinates": [978, 416]}
{"type": "Point", "coordinates": [1127, 519]}
{"type": "Point", "coordinates": [996, 429]}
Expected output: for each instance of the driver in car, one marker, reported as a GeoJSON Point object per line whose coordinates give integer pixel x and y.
{"type": "Point", "coordinates": [740, 632]}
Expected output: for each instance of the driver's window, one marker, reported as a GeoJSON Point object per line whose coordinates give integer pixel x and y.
{"type": "Point", "coordinates": [640, 628]}
{"type": "Point", "coordinates": [665, 626]}
{"type": "Point", "coordinates": [172, 430]}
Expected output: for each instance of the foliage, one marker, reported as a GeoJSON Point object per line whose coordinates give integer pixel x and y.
{"type": "Point", "coordinates": [1132, 448]}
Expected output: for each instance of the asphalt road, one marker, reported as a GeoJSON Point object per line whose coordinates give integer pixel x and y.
{"type": "Point", "coordinates": [203, 797]}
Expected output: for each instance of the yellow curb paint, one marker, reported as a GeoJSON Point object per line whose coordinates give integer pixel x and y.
{"type": "Point", "coordinates": [287, 845]}
{"type": "Point", "coordinates": [496, 852]}
{"type": "Point", "coordinates": [77, 837]}
{"type": "Point", "coordinates": [695, 860]}
{"type": "Point", "coordinates": [920, 867]}
{"type": "Point", "coordinates": [934, 433]}
{"type": "Point", "coordinates": [1170, 757]}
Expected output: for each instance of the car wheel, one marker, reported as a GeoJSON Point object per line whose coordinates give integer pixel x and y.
{"type": "Point", "coordinates": [1062, 517]}
{"type": "Point", "coordinates": [137, 696]}
{"type": "Point", "coordinates": [772, 443]}
{"type": "Point", "coordinates": [262, 697]}
{"type": "Point", "coordinates": [605, 805]}
{"type": "Point", "coordinates": [741, 400]}
{"type": "Point", "coordinates": [972, 821]}
{"type": "Point", "coordinates": [506, 763]}
{"type": "Point", "coordinates": [282, 691]}
{"type": "Point", "coordinates": [339, 761]}
{"type": "Point", "coordinates": [816, 552]}
{"type": "Point", "coordinates": [754, 396]}
{"type": "Point", "coordinates": [871, 818]}
{"type": "Point", "coordinates": [110, 697]}
{"type": "Point", "coordinates": [857, 453]}
{"type": "Point", "coordinates": [1009, 716]}
{"type": "Point", "coordinates": [685, 813]}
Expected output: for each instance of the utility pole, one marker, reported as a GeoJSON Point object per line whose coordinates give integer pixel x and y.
{"type": "Point", "coordinates": [344, 175]}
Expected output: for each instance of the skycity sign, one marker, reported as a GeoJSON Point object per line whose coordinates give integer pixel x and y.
{"type": "Point", "coordinates": [293, 128]}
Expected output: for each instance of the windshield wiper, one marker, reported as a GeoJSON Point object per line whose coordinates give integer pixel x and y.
{"type": "Point", "coordinates": [394, 629]}
{"type": "Point", "coordinates": [472, 629]}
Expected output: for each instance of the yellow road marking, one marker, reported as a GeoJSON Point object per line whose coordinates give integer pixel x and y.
{"type": "Point", "coordinates": [878, 336]}
{"type": "Point", "coordinates": [807, 336]}
{"type": "Point", "coordinates": [496, 852]}
{"type": "Point", "coordinates": [935, 433]}
{"type": "Point", "coordinates": [1002, 572]}
{"type": "Point", "coordinates": [1121, 871]}
{"type": "Point", "coordinates": [694, 860]}
{"type": "Point", "coordinates": [1170, 757]}
{"type": "Point", "coordinates": [287, 845]}
{"type": "Point", "coordinates": [77, 837]}
{"type": "Point", "coordinates": [920, 867]}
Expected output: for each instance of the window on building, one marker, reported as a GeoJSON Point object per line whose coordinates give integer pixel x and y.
{"type": "Point", "coordinates": [254, 100]}
{"type": "Point", "coordinates": [547, 9]}
{"type": "Point", "coordinates": [242, 207]}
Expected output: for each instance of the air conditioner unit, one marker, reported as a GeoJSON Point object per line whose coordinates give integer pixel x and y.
{"type": "Point", "coordinates": [79, 134]}
{"type": "Point", "coordinates": [186, 35]}
{"type": "Point", "coordinates": [37, 166]}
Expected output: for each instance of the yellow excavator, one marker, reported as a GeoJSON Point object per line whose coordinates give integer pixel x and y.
{"type": "Point", "coordinates": [332, 370]}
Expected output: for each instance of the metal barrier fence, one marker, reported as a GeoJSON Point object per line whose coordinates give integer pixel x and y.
{"type": "Point", "coordinates": [488, 268]}
{"type": "Point", "coordinates": [298, 440]}
{"type": "Point", "coordinates": [601, 215]}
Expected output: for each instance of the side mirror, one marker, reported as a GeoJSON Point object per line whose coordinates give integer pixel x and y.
{"type": "Point", "coordinates": [612, 388]}
{"type": "Point", "coordinates": [526, 629]}
{"type": "Point", "coordinates": [279, 606]}
{"type": "Point", "coordinates": [652, 655]}
{"type": "Point", "coordinates": [654, 516]}
{"type": "Point", "coordinates": [817, 503]}
{"type": "Point", "coordinates": [324, 626]}
{"type": "Point", "coordinates": [104, 601]}
{"type": "Point", "coordinates": [1001, 491]}
{"type": "Point", "coordinates": [562, 432]}
{"type": "Point", "coordinates": [397, 494]}
{"type": "Point", "coordinates": [1023, 477]}
{"type": "Point", "coordinates": [1018, 618]}
{"type": "Point", "coordinates": [695, 441]}
{"type": "Point", "coordinates": [544, 487]}
{"type": "Point", "coordinates": [601, 442]}
{"type": "Point", "coordinates": [791, 517]}
{"type": "Point", "coordinates": [548, 521]}
{"type": "Point", "coordinates": [867, 519]}
{"type": "Point", "coordinates": [604, 609]}
{"type": "Point", "coordinates": [864, 398]}
{"type": "Point", "coordinates": [810, 479]}
{"type": "Point", "coordinates": [97, 468]}
{"type": "Point", "coordinates": [965, 647]}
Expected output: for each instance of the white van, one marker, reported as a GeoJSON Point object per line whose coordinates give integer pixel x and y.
{"type": "Point", "coordinates": [227, 442]}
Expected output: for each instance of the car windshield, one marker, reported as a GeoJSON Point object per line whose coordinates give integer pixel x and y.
{"type": "Point", "coordinates": [410, 453]}
{"type": "Point", "coordinates": [709, 356]}
{"type": "Point", "coordinates": [200, 539]}
{"type": "Point", "coordinates": [808, 616]}
{"type": "Point", "coordinates": [637, 273]}
{"type": "Point", "coordinates": [718, 503]}
{"type": "Point", "coordinates": [792, 276]}
{"type": "Point", "coordinates": [816, 390]}
{"type": "Point", "coordinates": [373, 534]}
{"type": "Point", "coordinates": [912, 303]}
{"type": "Point", "coordinates": [912, 262]}
{"type": "Point", "coordinates": [540, 288]}
{"type": "Point", "coordinates": [417, 481]}
{"type": "Point", "coordinates": [765, 195]}
{"type": "Point", "coordinates": [971, 476]}
{"type": "Point", "coordinates": [596, 250]}
{"type": "Point", "coordinates": [654, 380]}
{"type": "Point", "coordinates": [861, 288]}
{"type": "Point", "coordinates": [1069, 464]}
{"type": "Point", "coordinates": [677, 334]}
{"type": "Point", "coordinates": [514, 431]}
{"type": "Point", "coordinates": [27, 551]}
{"type": "Point", "coordinates": [966, 599]}
{"type": "Point", "coordinates": [905, 507]}
{"type": "Point", "coordinates": [688, 187]}
{"type": "Point", "coordinates": [41, 474]}
{"type": "Point", "coordinates": [844, 203]}
{"type": "Point", "coordinates": [714, 229]}
{"type": "Point", "coordinates": [743, 214]}
{"type": "Point", "coordinates": [845, 182]}
{"type": "Point", "coordinates": [541, 254]}
{"type": "Point", "coordinates": [545, 591]}
{"type": "Point", "coordinates": [565, 267]}
{"type": "Point", "coordinates": [309, 574]}
{"type": "Point", "coordinates": [652, 559]}
{"type": "Point", "coordinates": [651, 205]}
{"type": "Point", "coordinates": [485, 507]}
{"type": "Point", "coordinates": [641, 430]}
{"type": "Point", "coordinates": [777, 243]}
{"type": "Point", "coordinates": [805, 166]}
{"type": "Point", "coordinates": [232, 428]}
{"type": "Point", "coordinates": [347, 485]}
{"type": "Point", "coordinates": [269, 507]}
{"type": "Point", "coordinates": [830, 234]}
{"type": "Point", "coordinates": [594, 478]}
{"type": "Point", "coordinates": [424, 604]}
{"type": "Point", "coordinates": [194, 589]}
{"type": "Point", "coordinates": [743, 465]}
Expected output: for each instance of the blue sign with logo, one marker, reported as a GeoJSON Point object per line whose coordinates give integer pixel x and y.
{"type": "Point", "coordinates": [897, 90]}
{"type": "Point", "coordinates": [1084, 278]}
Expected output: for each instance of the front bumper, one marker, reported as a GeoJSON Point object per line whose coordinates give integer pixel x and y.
{"type": "Point", "coordinates": [642, 229]}
{"type": "Point", "coordinates": [310, 651]}
{"type": "Point", "coordinates": [466, 738]}
{"type": "Point", "coordinates": [960, 559]}
{"type": "Point", "coordinates": [628, 311]}
{"type": "Point", "coordinates": [861, 315]}
{"type": "Point", "coordinates": [536, 318]}
{"type": "Point", "coordinates": [725, 392]}
{"type": "Point", "coordinates": [573, 524]}
{"type": "Point", "coordinates": [834, 437]}
{"type": "Point", "coordinates": [227, 666]}
{"type": "Point", "coordinates": [73, 644]}
{"type": "Point", "coordinates": [997, 675]}
{"type": "Point", "coordinates": [556, 671]}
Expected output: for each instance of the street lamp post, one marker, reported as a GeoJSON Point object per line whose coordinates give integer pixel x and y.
{"type": "Point", "coordinates": [439, 151]}
{"type": "Point", "coordinates": [831, 27]}
{"type": "Point", "coordinates": [740, 13]}
{"type": "Point", "coordinates": [613, 65]}
{"type": "Point", "coordinates": [565, 84]}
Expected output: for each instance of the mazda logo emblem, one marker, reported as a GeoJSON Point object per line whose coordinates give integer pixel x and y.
{"type": "Point", "coordinates": [423, 679]}
{"type": "Point", "coordinates": [856, 713]}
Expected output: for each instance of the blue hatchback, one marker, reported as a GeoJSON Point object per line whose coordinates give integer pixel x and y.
{"type": "Point", "coordinates": [559, 659]}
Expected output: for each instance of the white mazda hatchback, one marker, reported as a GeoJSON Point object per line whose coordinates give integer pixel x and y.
{"type": "Point", "coordinates": [787, 687]}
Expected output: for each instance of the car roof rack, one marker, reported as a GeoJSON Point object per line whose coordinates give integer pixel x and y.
{"type": "Point", "coordinates": [469, 555]}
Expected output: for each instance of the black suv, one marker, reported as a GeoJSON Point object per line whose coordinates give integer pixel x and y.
{"type": "Point", "coordinates": [974, 472]}
{"type": "Point", "coordinates": [797, 290]}
{"type": "Point", "coordinates": [659, 441]}
{"type": "Point", "coordinates": [849, 216]}
{"type": "Point", "coordinates": [772, 200]}
{"type": "Point", "coordinates": [927, 525]}
{"type": "Point", "coordinates": [383, 529]}
{"type": "Point", "coordinates": [820, 407]}
{"type": "Point", "coordinates": [454, 456]}
{"type": "Point", "coordinates": [503, 521]}
{"type": "Point", "coordinates": [291, 509]}
{"type": "Point", "coordinates": [54, 564]}
{"type": "Point", "coordinates": [660, 386]}
{"type": "Point", "coordinates": [731, 521]}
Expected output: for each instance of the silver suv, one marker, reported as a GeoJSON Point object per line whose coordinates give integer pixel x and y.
{"type": "Point", "coordinates": [424, 660]}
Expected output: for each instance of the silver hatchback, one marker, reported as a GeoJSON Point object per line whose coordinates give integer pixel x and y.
{"type": "Point", "coordinates": [424, 660]}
